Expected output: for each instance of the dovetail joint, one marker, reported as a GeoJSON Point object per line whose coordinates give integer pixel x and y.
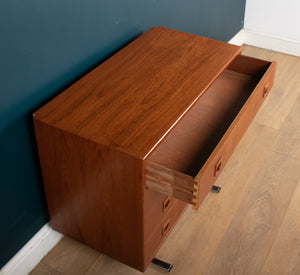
{"type": "Point", "coordinates": [195, 193]}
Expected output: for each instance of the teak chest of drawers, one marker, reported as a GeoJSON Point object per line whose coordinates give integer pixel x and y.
{"type": "Point", "coordinates": [126, 148]}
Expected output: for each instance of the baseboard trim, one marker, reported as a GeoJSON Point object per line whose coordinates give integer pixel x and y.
{"type": "Point", "coordinates": [269, 42]}
{"type": "Point", "coordinates": [32, 252]}
{"type": "Point", "coordinates": [238, 39]}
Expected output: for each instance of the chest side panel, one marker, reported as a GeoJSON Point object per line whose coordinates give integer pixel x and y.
{"type": "Point", "coordinates": [94, 194]}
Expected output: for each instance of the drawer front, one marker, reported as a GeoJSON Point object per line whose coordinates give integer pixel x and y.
{"type": "Point", "coordinates": [165, 226]}
{"type": "Point", "coordinates": [193, 189]}
{"type": "Point", "coordinates": [156, 207]}
{"type": "Point", "coordinates": [218, 159]}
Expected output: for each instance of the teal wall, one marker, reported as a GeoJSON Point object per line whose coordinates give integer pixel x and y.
{"type": "Point", "coordinates": [44, 47]}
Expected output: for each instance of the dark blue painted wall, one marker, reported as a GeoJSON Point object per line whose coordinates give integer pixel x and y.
{"type": "Point", "coordinates": [45, 46]}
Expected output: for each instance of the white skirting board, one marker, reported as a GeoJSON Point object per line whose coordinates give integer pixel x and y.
{"type": "Point", "coordinates": [238, 38]}
{"type": "Point", "coordinates": [269, 42]}
{"type": "Point", "coordinates": [43, 241]}
{"type": "Point", "coordinates": [32, 252]}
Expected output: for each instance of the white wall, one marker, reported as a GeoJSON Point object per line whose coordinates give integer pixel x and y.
{"type": "Point", "coordinates": [279, 18]}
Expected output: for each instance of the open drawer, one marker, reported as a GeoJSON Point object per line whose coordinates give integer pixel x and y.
{"type": "Point", "coordinates": [189, 159]}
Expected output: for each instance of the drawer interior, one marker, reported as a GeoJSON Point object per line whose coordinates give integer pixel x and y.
{"type": "Point", "coordinates": [187, 147]}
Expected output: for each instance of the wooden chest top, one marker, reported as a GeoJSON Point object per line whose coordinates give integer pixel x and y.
{"type": "Point", "coordinates": [132, 100]}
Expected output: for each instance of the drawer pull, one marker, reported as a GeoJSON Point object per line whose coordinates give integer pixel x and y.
{"type": "Point", "coordinates": [166, 227]}
{"type": "Point", "coordinates": [166, 204]}
{"type": "Point", "coordinates": [218, 166]}
{"type": "Point", "coordinates": [266, 90]}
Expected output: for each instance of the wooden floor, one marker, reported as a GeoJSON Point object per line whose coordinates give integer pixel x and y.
{"type": "Point", "coordinates": [253, 225]}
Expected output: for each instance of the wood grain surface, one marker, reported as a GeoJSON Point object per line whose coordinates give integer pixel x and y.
{"type": "Point", "coordinates": [288, 140]}
{"type": "Point", "coordinates": [256, 222]}
{"type": "Point", "coordinates": [287, 242]}
{"type": "Point", "coordinates": [72, 257]}
{"type": "Point", "coordinates": [94, 194]}
{"type": "Point", "coordinates": [134, 98]}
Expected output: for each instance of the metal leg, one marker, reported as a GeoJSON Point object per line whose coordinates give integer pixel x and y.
{"type": "Point", "coordinates": [161, 264]}
{"type": "Point", "coordinates": [216, 188]}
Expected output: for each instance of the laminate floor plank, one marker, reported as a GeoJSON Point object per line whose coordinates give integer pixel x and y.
{"type": "Point", "coordinates": [108, 266]}
{"type": "Point", "coordinates": [71, 257]}
{"type": "Point", "coordinates": [288, 141]}
{"type": "Point", "coordinates": [45, 270]}
{"type": "Point", "coordinates": [246, 244]}
{"type": "Point", "coordinates": [284, 257]}
{"type": "Point", "coordinates": [285, 90]}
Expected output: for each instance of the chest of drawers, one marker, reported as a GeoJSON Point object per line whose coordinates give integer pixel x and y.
{"type": "Point", "coordinates": [128, 147]}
